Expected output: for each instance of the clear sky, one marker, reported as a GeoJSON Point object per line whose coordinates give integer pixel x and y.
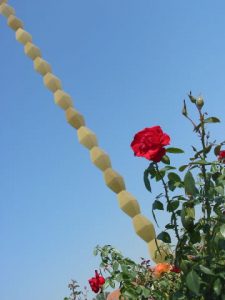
{"type": "Point", "coordinates": [128, 65]}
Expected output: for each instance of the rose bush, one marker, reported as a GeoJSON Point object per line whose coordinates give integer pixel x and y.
{"type": "Point", "coordinates": [195, 202]}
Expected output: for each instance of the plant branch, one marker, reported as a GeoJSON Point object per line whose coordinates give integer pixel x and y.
{"type": "Point", "coordinates": [168, 201]}
{"type": "Point", "coordinates": [206, 182]}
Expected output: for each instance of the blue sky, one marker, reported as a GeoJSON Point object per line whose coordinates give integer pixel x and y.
{"type": "Point", "coordinates": [128, 65]}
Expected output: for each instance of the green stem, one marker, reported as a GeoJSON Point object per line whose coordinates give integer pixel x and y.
{"type": "Point", "coordinates": [169, 201]}
{"type": "Point", "coordinates": [206, 182]}
{"type": "Point", "coordinates": [192, 122]}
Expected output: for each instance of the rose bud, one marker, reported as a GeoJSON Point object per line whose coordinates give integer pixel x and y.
{"type": "Point", "coordinates": [184, 110]}
{"type": "Point", "coordinates": [193, 99]}
{"type": "Point", "coordinates": [175, 269]}
{"type": "Point", "coordinates": [200, 102]}
{"type": "Point", "coordinates": [96, 282]}
{"type": "Point", "coordinates": [221, 156]}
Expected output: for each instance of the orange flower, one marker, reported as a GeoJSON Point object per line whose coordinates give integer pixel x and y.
{"type": "Point", "coordinates": [161, 268]}
{"type": "Point", "coordinates": [115, 295]}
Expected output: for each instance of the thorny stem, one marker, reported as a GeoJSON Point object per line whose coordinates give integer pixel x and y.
{"type": "Point", "coordinates": [169, 201]}
{"type": "Point", "coordinates": [192, 122]}
{"type": "Point", "coordinates": [206, 182]}
{"type": "Point", "coordinates": [204, 168]}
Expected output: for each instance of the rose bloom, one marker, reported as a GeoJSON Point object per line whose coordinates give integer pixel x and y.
{"type": "Point", "coordinates": [161, 268]}
{"type": "Point", "coordinates": [150, 143]}
{"type": "Point", "coordinates": [222, 156]}
{"type": "Point", "coordinates": [96, 282]}
{"type": "Point", "coordinates": [175, 269]}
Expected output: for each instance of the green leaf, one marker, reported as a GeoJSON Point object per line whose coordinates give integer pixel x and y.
{"type": "Point", "coordinates": [193, 282]}
{"type": "Point", "coordinates": [189, 184]}
{"type": "Point", "coordinates": [173, 205]}
{"type": "Point", "coordinates": [178, 184]}
{"type": "Point", "coordinates": [208, 149]}
{"type": "Point", "coordinates": [222, 230]}
{"type": "Point", "coordinates": [195, 236]}
{"type": "Point", "coordinates": [171, 186]}
{"type": "Point", "coordinates": [147, 181]}
{"type": "Point", "coordinates": [174, 177]}
{"type": "Point", "coordinates": [215, 176]}
{"type": "Point", "coordinates": [182, 168]}
{"type": "Point", "coordinates": [146, 292]}
{"type": "Point", "coordinates": [179, 296]}
{"type": "Point", "coordinates": [178, 212]}
{"type": "Point", "coordinates": [129, 294]}
{"type": "Point", "coordinates": [112, 284]}
{"type": "Point", "coordinates": [212, 120]}
{"type": "Point", "coordinates": [157, 205]}
{"type": "Point", "coordinates": [124, 268]}
{"type": "Point", "coordinates": [220, 190]}
{"type": "Point", "coordinates": [221, 274]}
{"type": "Point", "coordinates": [187, 217]}
{"type": "Point", "coordinates": [185, 265]}
{"type": "Point", "coordinates": [200, 162]}
{"type": "Point", "coordinates": [165, 159]}
{"type": "Point", "coordinates": [160, 175]}
{"type": "Point", "coordinates": [167, 168]}
{"type": "Point", "coordinates": [165, 237]}
{"type": "Point", "coordinates": [174, 150]}
{"type": "Point", "coordinates": [169, 226]}
{"type": "Point", "coordinates": [95, 252]}
{"type": "Point", "coordinates": [119, 277]}
{"type": "Point", "coordinates": [115, 266]}
{"type": "Point", "coordinates": [206, 270]}
{"type": "Point", "coordinates": [151, 170]}
{"type": "Point", "coordinates": [193, 99]}
{"type": "Point", "coordinates": [217, 150]}
{"type": "Point", "coordinates": [217, 287]}
{"type": "Point", "coordinates": [221, 244]}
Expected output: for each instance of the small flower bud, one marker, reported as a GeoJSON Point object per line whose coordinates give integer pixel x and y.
{"type": "Point", "coordinates": [184, 110]}
{"type": "Point", "coordinates": [200, 102]}
{"type": "Point", "coordinates": [193, 99]}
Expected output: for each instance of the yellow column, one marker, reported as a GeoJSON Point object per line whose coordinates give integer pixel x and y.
{"type": "Point", "coordinates": [114, 181]}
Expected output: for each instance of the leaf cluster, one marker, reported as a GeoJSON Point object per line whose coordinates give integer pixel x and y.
{"type": "Point", "coordinates": [136, 281]}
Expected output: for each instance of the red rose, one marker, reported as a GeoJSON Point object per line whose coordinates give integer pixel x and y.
{"type": "Point", "coordinates": [222, 156]}
{"type": "Point", "coordinates": [150, 142]}
{"type": "Point", "coordinates": [96, 282]}
{"type": "Point", "coordinates": [175, 269]}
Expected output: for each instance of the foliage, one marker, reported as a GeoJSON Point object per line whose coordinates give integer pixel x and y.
{"type": "Point", "coordinates": [77, 294]}
{"type": "Point", "coordinates": [200, 248]}
{"type": "Point", "coordinates": [136, 281]}
{"type": "Point", "coordinates": [193, 195]}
